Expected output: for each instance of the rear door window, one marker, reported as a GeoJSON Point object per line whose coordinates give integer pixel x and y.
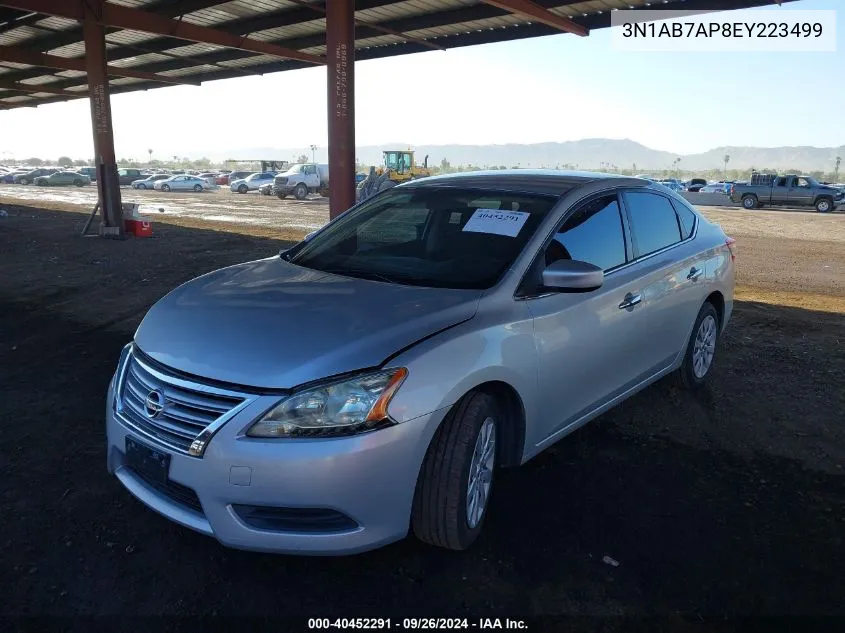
{"type": "Point", "coordinates": [654, 225]}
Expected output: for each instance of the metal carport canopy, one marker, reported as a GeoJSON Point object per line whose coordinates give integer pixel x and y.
{"type": "Point", "coordinates": [155, 43]}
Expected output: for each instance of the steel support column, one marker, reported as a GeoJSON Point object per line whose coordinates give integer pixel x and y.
{"type": "Point", "coordinates": [108, 186]}
{"type": "Point", "coordinates": [340, 57]}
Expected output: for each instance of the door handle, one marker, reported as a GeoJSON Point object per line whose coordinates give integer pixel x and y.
{"type": "Point", "coordinates": [694, 273]}
{"type": "Point", "coordinates": [630, 301]}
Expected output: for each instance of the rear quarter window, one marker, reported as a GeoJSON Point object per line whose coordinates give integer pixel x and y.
{"type": "Point", "coordinates": [686, 217]}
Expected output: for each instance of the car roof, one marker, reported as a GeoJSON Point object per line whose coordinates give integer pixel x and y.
{"type": "Point", "coordinates": [550, 181]}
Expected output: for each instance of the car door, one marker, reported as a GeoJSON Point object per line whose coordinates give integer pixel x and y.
{"type": "Point", "coordinates": [588, 348]}
{"type": "Point", "coordinates": [310, 175]}
{"type": "Point", "coordinates": [671, 273]}
{"type": "Point", "coordinates": [801, 193]}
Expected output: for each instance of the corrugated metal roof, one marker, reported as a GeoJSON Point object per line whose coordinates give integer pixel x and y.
{"type": "Point", "coordinates": [448, 23]}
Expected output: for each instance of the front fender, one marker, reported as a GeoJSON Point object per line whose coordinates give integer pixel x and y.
{"type": "Point", "coordinates": [444, 368]}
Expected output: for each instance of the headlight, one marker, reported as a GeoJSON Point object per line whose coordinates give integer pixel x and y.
{"type": "Point", "coordinates": [346, 407]}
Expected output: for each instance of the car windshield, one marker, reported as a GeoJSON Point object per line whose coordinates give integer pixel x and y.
{"type": "Point", "coordinates": [436, 237]}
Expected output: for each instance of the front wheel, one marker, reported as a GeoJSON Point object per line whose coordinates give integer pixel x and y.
{"type": "Point", "coordinates": [824, 205]}
{"type": "Point", "coordinates": [142, 186]}
{"type": "Point", "coordinates": [749, 202]}
{"type": "Point", "coordinates": [165, 187]}
{"type": "Point", "coordinates": [78, 182]}
{"type": "Point", "coordinates": [301, 191]}
{"type": "Point", "coordinates": [456, 479]}
{"type": "Point", "coordinates": [24, 181]}
{"type": "Point", "coordinates": [280, 195]}
{"type": "Point", "coordinates": [701, 349]}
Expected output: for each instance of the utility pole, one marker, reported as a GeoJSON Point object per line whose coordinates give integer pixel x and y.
{"type": "Point", "coordinates": [836, 168]}
{"type": "Point", "coordinates": [313, 149]}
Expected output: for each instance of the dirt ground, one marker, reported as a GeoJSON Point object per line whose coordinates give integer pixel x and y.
{"type": "Point", "coordinates": [730, 501]}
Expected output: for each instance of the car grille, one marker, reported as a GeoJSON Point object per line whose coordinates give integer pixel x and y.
{"type": "Point", "coordinates": [280, 181]}
{"type": "Point", "coordinates": [186, 412]}
{"type": "Point", "coordinates": [174, 491]}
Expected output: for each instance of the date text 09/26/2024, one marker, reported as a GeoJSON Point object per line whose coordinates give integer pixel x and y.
{"type": "Point", "coordinates": [430, 624]}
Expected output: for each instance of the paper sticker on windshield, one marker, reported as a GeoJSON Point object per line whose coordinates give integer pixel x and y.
{"type": "Point", "coordinates": [496, 222]}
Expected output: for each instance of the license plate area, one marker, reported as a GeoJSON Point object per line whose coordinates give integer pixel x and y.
{"type": "Point", "coordinates": [148, 462]}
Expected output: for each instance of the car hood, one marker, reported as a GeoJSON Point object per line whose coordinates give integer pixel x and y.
{"type": "Point", "coordinates": [270, 324]}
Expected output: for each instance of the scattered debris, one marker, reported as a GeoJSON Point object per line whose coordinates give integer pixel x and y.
{"type": "Point", "coordinates": [130, 549]}
{"type": "Point", "coordinates": [607, 560]}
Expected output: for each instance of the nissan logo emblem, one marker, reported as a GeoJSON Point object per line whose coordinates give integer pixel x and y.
{"type": "Point", "coordinates": [154, 404]}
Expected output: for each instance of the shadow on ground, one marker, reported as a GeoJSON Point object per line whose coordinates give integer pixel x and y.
{"type": "Point", "coordinates": [726, 501]}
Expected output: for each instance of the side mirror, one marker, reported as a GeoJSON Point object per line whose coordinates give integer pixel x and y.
{"type": "Point", "coordinates": [572, 275]}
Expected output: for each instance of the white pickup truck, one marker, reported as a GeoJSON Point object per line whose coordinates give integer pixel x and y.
{"type": "Point", "coordinates": [302, 179]}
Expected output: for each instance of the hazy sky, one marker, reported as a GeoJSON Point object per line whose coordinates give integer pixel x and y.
{"type": "Point", "coordinates": [554, 88]}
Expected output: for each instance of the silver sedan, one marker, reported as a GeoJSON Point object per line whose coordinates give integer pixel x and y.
{"type": "Point", "coordinates": [181, 183]}
{"type": "Point", "coordinates": [374, 377]}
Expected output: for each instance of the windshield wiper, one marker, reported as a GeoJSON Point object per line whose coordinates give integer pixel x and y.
{"type": "Point", "coordinates": [362, 274]}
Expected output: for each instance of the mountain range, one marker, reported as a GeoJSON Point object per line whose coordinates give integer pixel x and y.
{"type": "Point", "coordinates": [596, 153]}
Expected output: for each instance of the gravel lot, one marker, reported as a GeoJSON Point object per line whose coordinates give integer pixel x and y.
{"type": "Point", "coordinates": [731, 501]}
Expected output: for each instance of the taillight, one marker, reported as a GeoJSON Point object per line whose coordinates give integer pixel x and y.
{"type": "Point", "coordinates": [733, 188]}
{"type": "Point", "coordinates": [729, 242]}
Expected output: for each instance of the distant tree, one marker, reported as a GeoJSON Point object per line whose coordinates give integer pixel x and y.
{"type": "Point", "coordinates": [64, 161]}
{"type": "Point", "coordinates": [836, 168]}
{"type": "Point", "coordinates": [79, 162]}
{"type": "Point", "coordinates": [445, 166]}
{"type": "Point", "coordinates": [302, 158]}
{"type": "Point", "coordinates": [502, 166]}
{"type": "Point", "coordinates": [34, 161]}
{"type": "Point", "coordinates": [817, 174]}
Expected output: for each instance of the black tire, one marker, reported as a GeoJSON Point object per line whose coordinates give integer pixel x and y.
{"type": "Point", "coordinates": [165, 187]}
{"type": "Point", "coordinates": [78, 182]}
{"type": "Point", "coordinates": [23, 181]}
{"type": "Point", "coordinates": [749, 202]}
{"type": "Point", "coordinates": [824, 205]}
{"type": "Point", "coordinates": [300, 192]}
{"type": "Point", "coordinates": [686, 376]}
{"type": "Point", "coordinates": [197, 188]}
{"type": "Point", "coordinates": [243, 189]}
{"type": "Point", "coordinates": [439, 514]}
{"type": "Point", "coordinates": [280, 195]}
{"type": "Point", "coordinates": [141, 186]}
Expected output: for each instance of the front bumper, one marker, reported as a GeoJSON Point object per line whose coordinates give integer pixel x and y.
{"type": "Point", "coordinates": [368, 478]}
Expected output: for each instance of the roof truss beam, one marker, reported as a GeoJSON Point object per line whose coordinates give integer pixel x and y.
{"type": "Point", "coordinates": [46, 89]}
{"type": "Point", "coordinates": [118, 16]}
{"type": "Point", "coordinates": [19, 55]}
{"type": "Point", "coordinates": [538, 13]}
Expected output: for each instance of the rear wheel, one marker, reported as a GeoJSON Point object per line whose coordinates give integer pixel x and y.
{"type": "Point", "coordinates": [197, 187]}
{"type": "Point", "coordinates": [78, 182]}
{"type": "Point", "coordinates": [24, 181]}
{"type": "Point", "coordinates": [701, 349]}
{"type": "Point", "coordinates": [456, 479]}
{"type": "Point", "coordinates": [824, 205]}
{"type": "Point", "coordinates": [301, 191]}
{"type": "Point", "coordinates": [749, 202]}
{"type": "Point", "coordinates": [280, 195]}
{"type": "Point", "coordinates": [141, 186]}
